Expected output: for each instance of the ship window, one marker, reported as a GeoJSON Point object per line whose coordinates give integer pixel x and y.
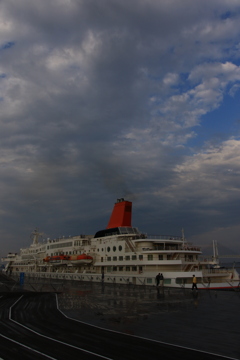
{"type": "Point", "coordinates": [68, 244]}
{"type": "Point", "coordinates": [109, 258]}
{"type": "Point", "coordinates": [102, 249]}
{"type": "Point", "coordinates": [149, 281]}
{"type": "Point", "coordinates": [120, 247]}
{"type": "Point", "coordinates": [134, 257]}
{"type": "Point", "coordinates": [150, 257]}
{"type": "Point", "coordinates": [127, 268]}
{"type": "Point", "coordinates": [160, 257]}
{"type": "Point", "coordinates": [109, 268]}
{"type": "Point", "coordinates": [115, 258]}
{"type": "Point", "coordinates": [134, 268]}
{"type": "Point", "coordinates": [181, 281]}
{"type": "Point", "coordinates": [108, 249]}
{"type": "Point", "coordinates": [120, 268]}
{"type": "Point", "coordinates": [127, 257]}
{"type": "Point", "coordinates": [140, 257]}
{"type": "Point", "coordinates": [101, 259]}
{"type": "Point", "coordinates": [114, 248]}
{"type": "Point", "coordinates": [169, 257]}
{"type": "Point", "coordinates": [120, 258]}
{"type": "Point", "coordinates": [115, 268]}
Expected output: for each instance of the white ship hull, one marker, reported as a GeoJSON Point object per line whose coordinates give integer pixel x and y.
{"type": "Point", "coordinates": [121, 254]}
{"type": "Point", "coordinates": [170, 282]}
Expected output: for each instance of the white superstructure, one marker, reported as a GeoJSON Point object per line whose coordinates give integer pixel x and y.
{"type": "Point", "coordinates": [121, 254]}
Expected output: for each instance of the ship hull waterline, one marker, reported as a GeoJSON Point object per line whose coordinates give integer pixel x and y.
{"type": "Point", "coordinates": [133, 280]}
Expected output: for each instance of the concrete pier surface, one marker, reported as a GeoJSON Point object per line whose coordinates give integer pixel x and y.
{"type": "Point", "coordinates": [128, 322]}
{"type": "Point", "coordinates": [203, 320]}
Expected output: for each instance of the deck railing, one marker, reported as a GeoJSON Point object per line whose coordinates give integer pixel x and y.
{"type": "Point", "coordinates": [164, 237]}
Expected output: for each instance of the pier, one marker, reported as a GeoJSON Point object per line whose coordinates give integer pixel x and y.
{"type": "Point", "coordinates": [91, 321]}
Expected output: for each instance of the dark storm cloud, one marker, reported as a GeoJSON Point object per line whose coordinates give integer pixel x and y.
{"type": "Point", "coordinates": [100, 100]}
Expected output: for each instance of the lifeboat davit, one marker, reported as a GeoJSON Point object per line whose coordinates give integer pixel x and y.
{"type": "Point", "coordinates": [67, 259]}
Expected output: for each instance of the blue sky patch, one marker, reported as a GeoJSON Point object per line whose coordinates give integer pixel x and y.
{"type": "Point", "coordinates": [7, 45]}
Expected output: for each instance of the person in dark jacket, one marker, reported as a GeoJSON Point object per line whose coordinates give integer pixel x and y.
{"type": "Point", "coordinates": [161, 279]}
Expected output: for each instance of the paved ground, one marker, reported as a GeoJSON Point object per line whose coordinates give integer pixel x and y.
{"type": "Point", "coordinates": [206, 321]}
{"type": "Point", "coordinates": [57, 337]}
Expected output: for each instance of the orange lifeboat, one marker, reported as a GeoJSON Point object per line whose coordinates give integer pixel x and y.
{"type": "Point", "coordinates": [46, 259]}
{"type": "Point", "coordinates": [81, 259]}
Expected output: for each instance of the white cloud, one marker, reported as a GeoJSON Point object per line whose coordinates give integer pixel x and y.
{"type": "Point", "coordinates": [206, 86]}
{"type": "Point", "coordinates": [233, 90]}
{"type": "Point", "coordinates": [5, 28]}
{"type": "Point", "coordinates": [228, 154]}
{"type": "Point", "coordinates": [171, 79]}
{"type": "Point", "coordinates": [225, 72]}
{"type": "Point", "coordinates": [211, 175]}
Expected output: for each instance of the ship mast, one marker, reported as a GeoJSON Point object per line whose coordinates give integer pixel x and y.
{"type": "Point", "coordinates": [183, 237]}
{"type": "Point", "coordinates": [215, 252]}
{"type": "Point", "coordinates": [35, 236]}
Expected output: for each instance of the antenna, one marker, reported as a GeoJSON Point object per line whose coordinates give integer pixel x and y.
{"type": "Point", "coordinates": [215, 251]}
{"type": "Point", "coordinates": [183, 237]}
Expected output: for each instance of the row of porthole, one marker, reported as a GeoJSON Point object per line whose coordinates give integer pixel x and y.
{"type": "Point", "coordinates": [114, 248]}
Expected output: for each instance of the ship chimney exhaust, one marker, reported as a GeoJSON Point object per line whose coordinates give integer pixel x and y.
{"type": "Point", "coordinates": [121, 214]}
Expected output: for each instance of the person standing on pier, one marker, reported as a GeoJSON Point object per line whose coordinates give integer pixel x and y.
{"type": "Point", "coordinates": [194, 282]}
{"type": "Point", "coordinates": [157, 279]}
{"type": "Point", "coordinates": [161, 279]}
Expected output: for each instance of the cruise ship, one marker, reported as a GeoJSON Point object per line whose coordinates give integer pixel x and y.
{"type": "Point", "coordinates": [121, 254]}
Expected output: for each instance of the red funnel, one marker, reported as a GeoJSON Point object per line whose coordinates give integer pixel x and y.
{"type": "Point", "coordinates": [121, 214]}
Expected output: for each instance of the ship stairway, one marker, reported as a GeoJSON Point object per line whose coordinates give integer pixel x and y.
{"type": "Point", "coordinates": [141, 281]}
{"type": "Point", "coordinates": [7, 266]}
{"type": "Point", "coordinates": [175, 256]}
{"type": "Point", "coordinates": [233, 287]}
{"type": "Point", "coordinates": [205, 286]}
{"type": "Point", "coordinates": [8, 269]}
{"type": "Point", "coordinates": [130, 245]}
{"type": "Point", "coordinates": [188, 267]}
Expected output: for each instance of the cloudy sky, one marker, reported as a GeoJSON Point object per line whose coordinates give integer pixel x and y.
{"type": "Point", "coordinates": [105, 99]}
